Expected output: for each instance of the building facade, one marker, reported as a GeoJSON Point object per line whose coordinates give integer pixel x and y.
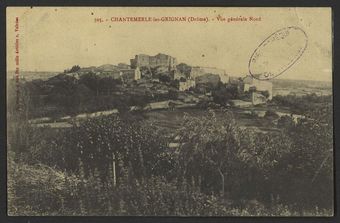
{"type": "Point", "coordinates": [176, 75]}
{"type": "Point", "coordinates": [200, 71]}
{"type": "Point", "coordinates": [143, 60]}
{"type": "Point", "coordinates": [258, 85]}
{"type": "Point", "coordinates": [210, 79]}
{"type": "Point", "coordinates": [258, 98]}
{"type": "Point", "coordinates": [186, 85]}
{"type": "Point", "coordinates": [129, 75]}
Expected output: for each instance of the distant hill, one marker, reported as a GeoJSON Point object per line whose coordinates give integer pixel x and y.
{"type": "Point", "coordinates": [289, 83]}
{"type": "Point", "coordinates": [32, 75]}
{"type": "Point", "coordinates": [286, 83]}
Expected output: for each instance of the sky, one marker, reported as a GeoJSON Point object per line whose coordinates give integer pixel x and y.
{"type": "Point", "coordinates": [54, 39]}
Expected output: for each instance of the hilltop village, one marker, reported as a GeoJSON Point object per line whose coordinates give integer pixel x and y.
{"type": "Point", "coordinates": [155, 84]}
{"type": "Point", "coordinates": [158, 87]}
{"type": "Point", "coordinates": [163, 73]}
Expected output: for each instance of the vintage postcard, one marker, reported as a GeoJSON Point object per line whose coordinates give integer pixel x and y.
{"type": "Point", "coordinates": [136, 111]}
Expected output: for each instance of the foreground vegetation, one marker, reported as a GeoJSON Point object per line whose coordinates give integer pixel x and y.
{"type": "Point", "coordinates": [120, 165]}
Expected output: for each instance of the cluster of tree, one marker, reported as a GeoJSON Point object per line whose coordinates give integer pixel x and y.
{"type": "Point", "coordinates": [184, 69]}
{"type": "Point", "coordinates": [121, 165]}
{"type": "Point", "coordinates": [66, 95]}
{"type": "Point", "coordinates": [165, 78]}
{"type": "Point", "coordinates": [303, 104]}
{"type": "Point", "coordinates": [225, 92]}
{"type": "Point", "coordinates": [73, 69]}
{"type": "Point", "coordinates": [100, 85]}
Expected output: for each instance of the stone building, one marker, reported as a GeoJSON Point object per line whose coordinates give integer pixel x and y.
{"type": "Point", "coordinates": [208, 80]}
{"type": "Point", "coordinates": [186, 85]}
{"type": "Point", "coordinates": [143, 60]}
{"type": "Point", "coordinates": [258, 85]}
{"type": "Point", "coordinates": [115, 74]}
{"type": "Point", "coordinates": [200, 71]}
{"type": "Point", "coordinates": [176, 75]}
{"type": "Point", "coordinates": [129, 75]}
{"type": "Point", "coordinates": [258, 98]}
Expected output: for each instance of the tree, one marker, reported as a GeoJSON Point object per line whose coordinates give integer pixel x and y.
{"type": "Point", "coordinates": [312, 161]}
{"type": "Point", "coordinates": [223, 93]}
{"type": "Point", "coordinates": [271, 114]}
{"type": "Point", "coordinates": [285, 122]}
{"type": "Point", "coordinates": [173, 94]}
{"type": "Point", "coordinates": [182, 79]}
{"type": "Point", "coordinates": [265, 93]}
{"type": "Point", "coordinates": [184, 69]}
{"type": "Point", "coordinates": [209, 147]}
{"type": "Point", "coordinates": [91, 80]}
{"type": "Point", "coordinates": [265, 159]}
{"type": "Point", "coordinates": [140, 100]}
{"type": "Point", "coordinates": [164, 78]}
{"type": "Point", "coordinates": [174, 83]}
{"type": "Point", "coordinates": [107, 84]}
{"type": "Point", "coordinates": [75, 68]}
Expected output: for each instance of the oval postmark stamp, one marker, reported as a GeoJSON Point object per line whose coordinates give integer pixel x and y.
{"type": "Point", "coordinates": [277, 53]}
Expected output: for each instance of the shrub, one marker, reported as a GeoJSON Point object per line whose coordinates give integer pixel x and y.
{"type": "Point", "coordinates": [271, 114]}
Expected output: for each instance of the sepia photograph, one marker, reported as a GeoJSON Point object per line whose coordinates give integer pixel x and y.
{"type": "Point", "coordinates": [169, 111]}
